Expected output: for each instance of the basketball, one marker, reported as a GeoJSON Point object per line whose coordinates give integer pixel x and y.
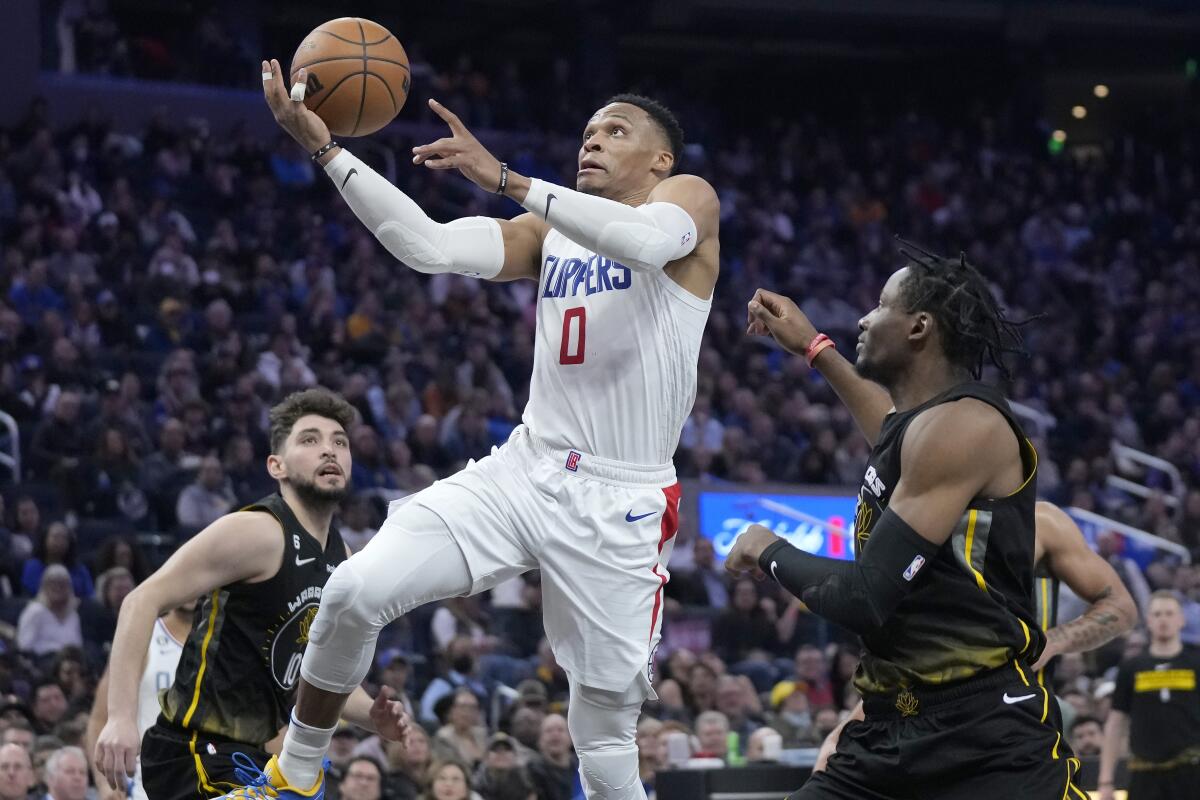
{"type": "Point", "coordinates": [358, 75]}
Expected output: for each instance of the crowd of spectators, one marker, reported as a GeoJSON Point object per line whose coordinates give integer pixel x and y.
{"type": "Point", "coordinates": [160, 290]}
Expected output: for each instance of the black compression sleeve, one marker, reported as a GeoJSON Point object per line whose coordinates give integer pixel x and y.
{"type": "Point", "coordinates": [858, 595]}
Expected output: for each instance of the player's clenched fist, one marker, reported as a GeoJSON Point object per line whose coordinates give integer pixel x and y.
{"type": "Point", "coordinates": [116, 751]}
{"type": "Point", "coordinates": [748, 546]}
{"type": "Point", "coordinates": [770, 314]}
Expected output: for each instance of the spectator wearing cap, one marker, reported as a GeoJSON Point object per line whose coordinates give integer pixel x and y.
{"type": "Point", "coordinates": [341, 749]}
{"type": "Point", "coordinates": [57, 546]}
{"type": "Point", "coordinates": [501, 776]}
{"type": "Point", "coordinates": [555, 771]}
{"type": "Point", "coordinates": [362, 780]}
{"type": "Point", "coordinates": [792, 715]}
{"type": "Point", "coordinates": [67, 775]}
{"type": "Point", "coordinates": [525, 726]}
{"type": "Point", "coordinates": [206, 499]}
{"type": "Point", "coordinates": [50, 622]}
{"type": "Point", "coordinates": [16, 772]}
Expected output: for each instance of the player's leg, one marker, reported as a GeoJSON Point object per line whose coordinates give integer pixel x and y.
{"type": "Point", "coordinates": [865, 766]}
{"type": "Point", "coordinates": [602, 576]}
{"type": "Point", "coordinates": [603, 727]}
{"type": "Point", "coordinates": [454, 538]}
{"type": "Point", "coordinates": [996, 743]}
{"type": "Point", "coordinates": [168, 767]}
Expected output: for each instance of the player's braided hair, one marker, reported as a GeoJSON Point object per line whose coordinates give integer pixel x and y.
{"type": "Point", "coordinates": [974, 326]}
{"type": "Point", "coordinates": [663, 117]}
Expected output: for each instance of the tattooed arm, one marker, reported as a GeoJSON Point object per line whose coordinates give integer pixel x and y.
{"type": "Point", "coordinates": [1068, 557]}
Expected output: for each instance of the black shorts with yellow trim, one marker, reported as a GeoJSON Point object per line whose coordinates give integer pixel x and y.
{"type": "Point", "coordinates": [178, 764]}
{"type": "Point", "coordinates": [991, 737]}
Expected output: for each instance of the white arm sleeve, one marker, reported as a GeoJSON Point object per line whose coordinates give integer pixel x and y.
{"type": "Point", "coordinates": [645, 238]}
{"type": "Point", "coordinates": [472, 246]}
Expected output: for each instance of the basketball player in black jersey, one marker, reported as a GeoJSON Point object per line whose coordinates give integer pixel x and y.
{"type": "Point", "coordinates": [1061, 555]}
{"type": "Point", "coordinates": [941, 588]}
{"type": "Point", "coordinates": [260, 572]}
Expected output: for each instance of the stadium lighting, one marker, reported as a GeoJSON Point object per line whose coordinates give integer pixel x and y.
{"type": "Point", "coordinates": [1100, 90]}
{"type": "Point", "coordinates": [1078, 112]}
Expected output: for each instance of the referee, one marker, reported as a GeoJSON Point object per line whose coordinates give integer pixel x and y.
{"type": "Point", "coordinates": [1157, 703]}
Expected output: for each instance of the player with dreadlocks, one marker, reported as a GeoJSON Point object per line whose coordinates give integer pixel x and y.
{"type": "Point", "coordinates": [941, 587]}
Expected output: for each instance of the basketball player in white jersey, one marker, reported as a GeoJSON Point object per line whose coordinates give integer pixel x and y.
{"type": "Point", "coordinates": [584, 488]}
{"type": "Point", "coordinates": [158, 672]}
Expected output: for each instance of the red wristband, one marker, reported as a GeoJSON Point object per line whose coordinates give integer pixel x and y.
{"type": "Point", "coordinates": [819, 343]}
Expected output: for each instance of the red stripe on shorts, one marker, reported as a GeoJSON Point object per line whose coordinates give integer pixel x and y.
{"type": "Point", "coordinates": [670, 526]}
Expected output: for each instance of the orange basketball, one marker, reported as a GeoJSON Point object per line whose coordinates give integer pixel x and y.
{"type": "Point", "coordinates": [358, 75]}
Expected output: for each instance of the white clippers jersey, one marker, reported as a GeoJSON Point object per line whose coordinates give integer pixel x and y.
{"type": "Point", "coordinates": [614, 367]}
{"type": "Point", "coordinates": [162, 658]}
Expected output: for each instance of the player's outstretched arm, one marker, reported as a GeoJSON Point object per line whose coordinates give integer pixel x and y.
{"type": "Point", "coordinates": [681, 212]}
{"type": "Point", "coordinates": [1068, 557]}
{"type": "Point", "coordinates": [479, 247]}
{"type": "Point", "coordinates": [951, 454]}
{"type": "Point", "coordinates": [237, 547]}
{"type": "Point", "coordinates": [771, 314]}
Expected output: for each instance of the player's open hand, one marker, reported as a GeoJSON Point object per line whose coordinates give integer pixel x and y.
{"type": "Point", "coordinates": [292, 115]}
{"type": "Point", "coordinates": [460, 150]}
{"type": "Point", "coordinates": [116, 752]}
{"type": "Point", "coordinates": [388, 716]}
{"type": "Point", "coordinates": [771, 314]}
{"type": "Point", "coordinates": [748, 546]}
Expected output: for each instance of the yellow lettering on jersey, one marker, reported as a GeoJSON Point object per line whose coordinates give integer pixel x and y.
{"type": "Point", "coordinates": [1182, 679]}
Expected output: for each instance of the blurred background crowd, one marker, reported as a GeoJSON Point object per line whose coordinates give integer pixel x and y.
{"type": "Point", "coordinates": [161, 287]}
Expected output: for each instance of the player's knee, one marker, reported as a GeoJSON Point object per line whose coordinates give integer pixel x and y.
{"type": "Point", "coordinates": [348, 607]}
{"type": "Point", "coordinates": [611, 773]}
{"type": "Point", "coordinates": [600, 719]}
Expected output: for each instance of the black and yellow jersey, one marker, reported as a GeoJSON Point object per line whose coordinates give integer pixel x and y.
{"type": "Point", "coordinates": [237, 674]}
{"type": "Point", "coordinates": [1045, 597]}
{"type": "Point", "coordinates": [974, 611]}
{"type": "Point", "coordinates": [1162, 698]}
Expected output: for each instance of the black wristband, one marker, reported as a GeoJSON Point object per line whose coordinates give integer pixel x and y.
{"type": "Point", "coordinates": [332, 144]}
{"type": "Point", "coordinates": [503, 178]}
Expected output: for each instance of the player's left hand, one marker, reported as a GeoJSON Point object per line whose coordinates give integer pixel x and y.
{"type": "Point", "coordinates": [388, 716]}
{"type": "Point", "coordinates": [461, 151]}
{"type": "Point", "coordinates": [747, 548]}
{"type": "Point", "coordinates": [1049, 653]}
